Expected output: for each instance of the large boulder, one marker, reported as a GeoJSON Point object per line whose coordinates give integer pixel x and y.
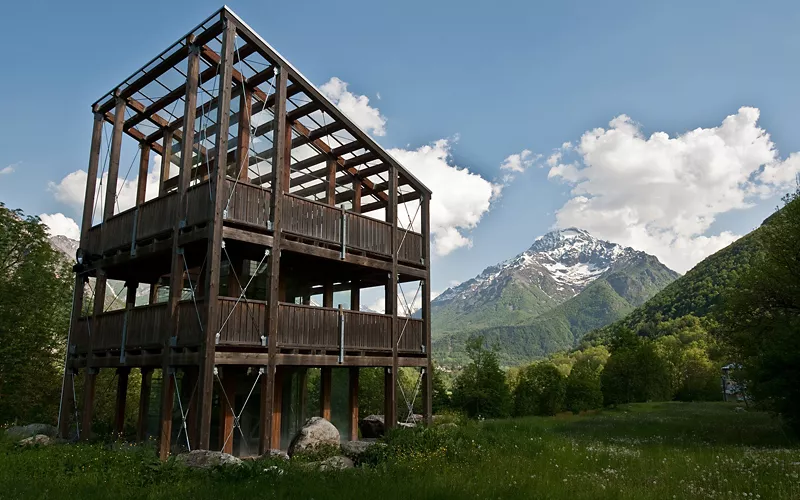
{"type": "Point", "coordinates": [31, 430]}
{"type": "Point", "coordinates": [372, 426]}
{"type": "Point", "coordinates": [355, 450]}
{"type": "Point", "coordinates": [37, 440]}
{"type": "Point", "coordinates": [206, 459]}
{"type": "Point", "coordinates": [316, 433]}
{"type": "Point", "coordinates": [274, 455]}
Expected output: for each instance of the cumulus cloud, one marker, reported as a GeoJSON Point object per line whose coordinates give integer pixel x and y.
{"type": "Point", "coordinates": [460, 199]}
{"type": "Point", "coordinates": [661, 194]}
{"type": "Point", "coordinates": [356, 107]}
{"type": "Point", "coordinates": [71, 190]}
{"type": "Point", "coordinates": [9, 169]}
{"type": "Point", "coordinates": [60, 224]}
{"type": "Point", "coordinates": [518, 162]}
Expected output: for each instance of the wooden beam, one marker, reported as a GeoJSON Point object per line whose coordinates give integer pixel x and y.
{"type": "Point", "coordinates": [113, 161]}
{"type": "Point", "coordinates": [427, 386]}
{"type": "Point", "coordinates": [391, 302]}
{"type": "Point", "coordinates": [144, 403]}
{"type": "Point", "coordinates": [144, 166]}
{"type": "Point", "coordinates": [214, 252]}
{"type": "Point", "coordinates": [227, 400]}
{"type": "Point", "coordinates": [121, 399]}
{"type": "Point", "coordinates": [347, 148]}
{"type": "Point", "coordinates": [361, 159]}
{"type": "Point", "coordinates": [301, 111]}
{"type": "Point", "coordinates": [165, 418]}
{"type": "Point", "coordinates": [243, 134]}
{"type": "Point", "coordinates": [94, 162]}
{"type": "Point", "coordinates": [166, 163]}
{"type": "Point", "coordinates": [353, 402]}
{"type": "Point", "coordinates": [277, 405]}
{"type": "Point", "coordinates": [325, 393]}
{"type": "Point", "coordinates": [403, 198]}
{"type": "Point", "coordinates": [89, 387]}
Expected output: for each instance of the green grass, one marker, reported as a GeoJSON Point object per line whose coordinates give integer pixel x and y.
{"type": "Point", "coordinates": [664, 450]}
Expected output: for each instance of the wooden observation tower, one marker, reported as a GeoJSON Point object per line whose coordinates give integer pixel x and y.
{"type": "Point", "coordinates": [258, 205]}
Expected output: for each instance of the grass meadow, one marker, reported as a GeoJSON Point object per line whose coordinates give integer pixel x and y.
{"type": "Point", "coordinates": [658, 450]}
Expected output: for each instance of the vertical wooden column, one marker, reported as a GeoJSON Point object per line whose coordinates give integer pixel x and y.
{"type": "Point", "coordinates": [144, 403]}
{"type": "Point", "coordinates": [91, 176]}
{"type": "Point", "coordinates": [427, 381]}
{"type": "Point", "coordinates": [165, 417]}
{"type": "Point", "coordinates": [113, 158]}
{"type": "Point", "coordinates": [122, 398]}
{"type": "Point", "coordinates": [90, 377]}
{"type": "Point", "coordinates": [227, 406]}
{"type": "Point", "coordinates": [270, 420]}
{"type": "Point", "coordinates": [355, 295]}
{"type": "Point", "coordinates": [214, 252]}
{"type": "Point", "coordinates": [177, 268]}
{"type": "Point", "coordinates": [277, 405]}
{"type": "Point", "coordinates": [353, 402]}
{"type": "Point", "coordinates": [153, 293]}
{"type": "Point", "coordinates": [144, 166]}
{"type": "Point", "coordinates": [390, 419]}
{"type": "Point", "coordinates": [327, 293]}
{"type": "Point", "coordinates": [189, 399]}
{"type": "Point", "coordinates": [325, 393]}
{"type": "Point", "coordinates": [357, 197]}
{"type": "Point", "coordinates": [389, 398]}
{"type": "Point", "coordinates": [330, 188]}
{"type": "Point", "coordinates": [166, 162]}
{"type": "Point", "coordinates": [243, 140]}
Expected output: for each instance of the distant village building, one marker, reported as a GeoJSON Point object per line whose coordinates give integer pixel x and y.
{"type": "Point", "coordinates": [731, 389]}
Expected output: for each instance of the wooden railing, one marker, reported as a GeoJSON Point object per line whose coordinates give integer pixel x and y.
{"type": "Point", "coordinates": [367, 331]}
{"type": "Point", "coordinates": [409, 246]}
{"type": "Point", "coordinates": [189, 330]}
{"type": "Point", "coordinates": [107, 331]}
{"type": "Point", "coordinates": [307, 326]}
{"type": "Point", "coordinates": [157, 216]}
{"type": "Point", "coordinates": [249, 204]}
{"type": "Point", "coordinates": [242, 323]}
{"type": "Point", "coordinates": [147, 326]}
{"type": "Point", "coordinates": [311, 219]}
{"type": "Point", "coordinates": [411, 332]}
{"type": "Point", "coordinates": [368, 234]}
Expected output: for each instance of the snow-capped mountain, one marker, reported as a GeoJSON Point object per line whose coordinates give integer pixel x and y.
{"type": "Point", "coordinates": [561, 263]}
{"type": "Point", "coordinates": [556, 268]}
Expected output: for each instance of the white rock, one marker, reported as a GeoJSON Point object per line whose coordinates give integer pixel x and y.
{"type": "Point", "coordinates": [206, 459]}
{"type": "Point", "coordinates": [37, 440]}
{"type": "Point", "coordinates": [336, 463]}
{"type": "Point", "coordinates": [316, 432]}
{"type": "Point", "coordinates": [30, 430]}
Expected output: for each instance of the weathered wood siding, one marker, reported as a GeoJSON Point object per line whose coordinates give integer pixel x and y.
{"type": "Point", "coordinates": [243, 322]}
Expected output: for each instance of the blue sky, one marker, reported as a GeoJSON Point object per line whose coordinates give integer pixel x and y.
{"type": "Point", "coordinates": [491, 80]}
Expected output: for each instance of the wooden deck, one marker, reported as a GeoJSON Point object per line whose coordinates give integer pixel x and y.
{"type": "Point", "coordinates": [306, 328]}
{"type": "Point", "coordinates": [249, 207]}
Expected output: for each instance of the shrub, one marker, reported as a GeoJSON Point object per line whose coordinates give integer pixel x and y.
{"type": "Point", "coordinates": [540, 390]}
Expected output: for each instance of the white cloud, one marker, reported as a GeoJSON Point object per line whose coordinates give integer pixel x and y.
{"type": "Point", "coordinates": [661, 194]}
{"type": "Point", "coordinates": [356, 107]}
{"type": "Point", "coordinates": [9, 169]}
{"type": "Point", "coordinates": [519, 162]}
{"type": "Point", "coordinates": [460, 198]}
{"type": "Point", "coordinates": [71, 190]}
{"type": "Point", "coordinates": [60, 224]}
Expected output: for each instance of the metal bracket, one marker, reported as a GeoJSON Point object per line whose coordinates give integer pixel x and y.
{"type": "Point", "coordinates": [72, 348]}
{"type": "Point", "coordinates": [216, 339]}
{"type": "Point", "coordinates": [173, 341]}
{"type": "Point", "coordinates": [269, 225]}
{"type": "Point", "coordinates": [216, 371]}
{"type": "Point", "coordinates": [263, 341]}
{"type": "Point", "coordinates": [225, 214]}
{"type": "Point", "coordinates": [423, 348]}
{"type": "Point", "coordinates": [180, 250]}
{"type": "Point", "coordinates": [181, 223]}
{"type": "Point", "coordinates": [171, 370]}
{"type": "Point", "coordinates": [261, 371]}
{"type": "Point", "coordinates": [92, 370]}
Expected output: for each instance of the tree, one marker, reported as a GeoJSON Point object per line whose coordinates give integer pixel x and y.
{"type": "Point", "coordinates": [583, 386]}
{"type": "Point", "coordinates": [540, 390]}
{"type": "Point", "coordinates": [763, 315]}
{"type": "Point", "coordinates": [441, 396]}
{"type": "Point", "coordinates": [35, 301]}
{"type": "Point", "coordinates": [480, 389]}
{"type": "Point", "coordinates": [635, 372]}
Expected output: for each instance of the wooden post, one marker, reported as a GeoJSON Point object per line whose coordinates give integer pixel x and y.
{"type": "Point", "coordinates": [214, 252]}
{"type": "Point", "coordinates": [165, 419]}
{"type": "Point", "coordinates": [390, 418]}
{"type": "Point", "coordinates": [243, 141]}
{"type": "Point", "coordinates": [327, 293]}
{"type": "Point", "coordinates": [91, 176]}
{"type": "Point", "coordinates": [122, 397]}
{"type": "Point", "coordinates": [425, 212]}
{"type": "Point", "coordinates": [144, 166]}
{"type": "Point", "coordinates": [153, 293]}
{"type": "Point", "coordinates": [144, 404]}
{"type": "Point", "coordinates": [280, 162]}
{"type": "Point", "coordinates": [389, 398]}
{"type": "Point", "coordinates": [355, 295]}
{"type": "Point", "coordinates": [227, 406]}
{"type": "Point", "coordinates": [189, 394]}
{"type": "Point", "coordinates": [265, 412]}
{"type": "Point", "coordinates": [357, 196]}
{"type": "Point", "coordinates": [113, 159]}
{"type": "Point", "coordinates": [330, 191]}
{"type": "Point", "coordinates": [353, 402]}
{"type": "Point", "coordinates": [325, 393]}
{"type": "Point", "coordinates": [177, 268]}
{"type": "Point", "coordinates": [89, 386]}
{"type": "Point", "coordinates": [277, 405]}
{"type": "Point", "coordinates": [166, 162]}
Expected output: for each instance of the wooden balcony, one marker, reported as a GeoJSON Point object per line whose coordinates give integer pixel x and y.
{"type": "Point", "coordinates": [242, 325]}
{"type": "Point", "coordinates": [249, 208]}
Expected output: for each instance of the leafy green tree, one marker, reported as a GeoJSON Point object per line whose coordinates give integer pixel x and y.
{"type": "Point", "coordinates": [35, 301]}
{"type": "Point", "coordinates": [635, 372]}
{"type": "Point", "coordinates": [583, 386]}
{"type": "Point", "coordinates": [763, 315]}
{"type": "Point", "coordinates": [481, 389]}
{"type": "Point", "coordinates": [441, 396]}
{"type": "Point", "coordinates": [540, 390]}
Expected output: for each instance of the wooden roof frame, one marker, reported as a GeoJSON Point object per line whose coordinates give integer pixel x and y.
{"type": "Point", "coordinates": [207, 31]}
